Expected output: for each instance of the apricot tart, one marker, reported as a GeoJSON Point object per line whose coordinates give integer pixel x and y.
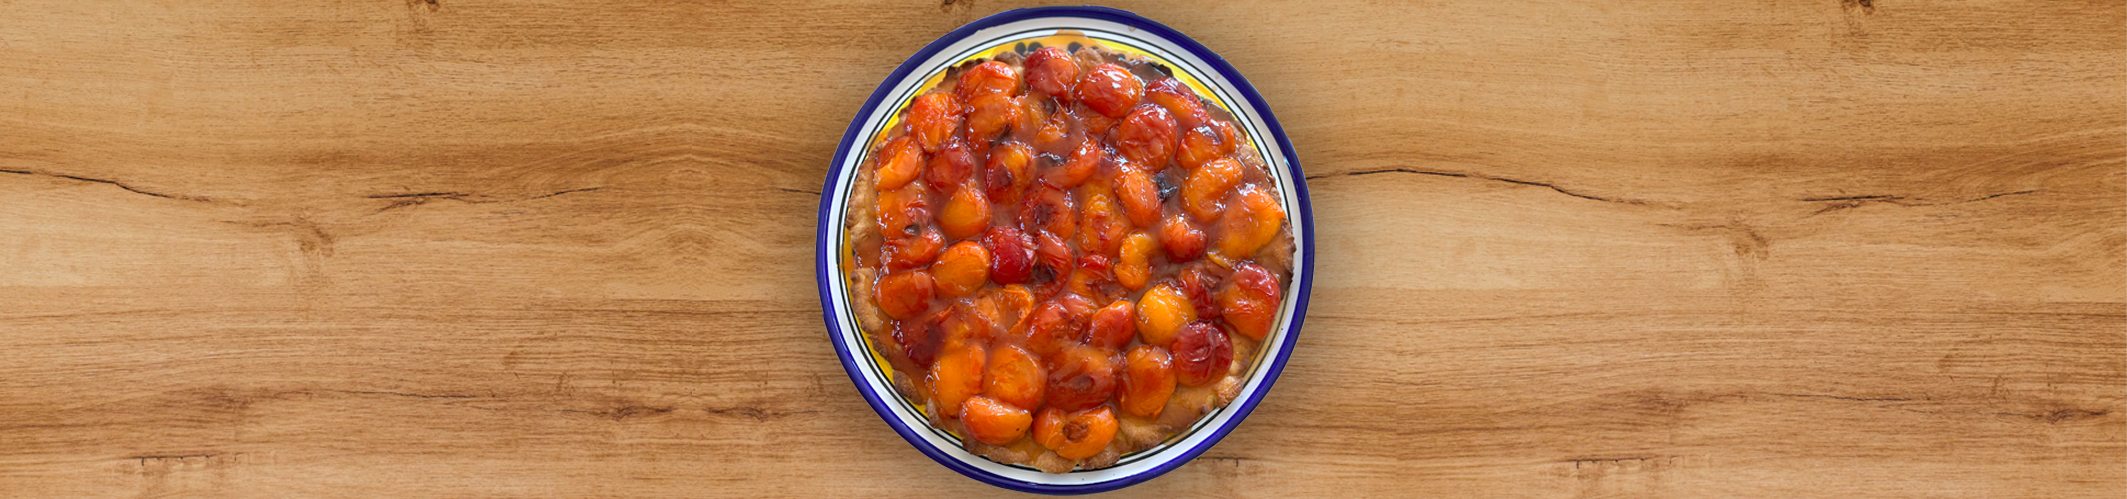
{"type": "Point", "coordinates": [1067, 255]}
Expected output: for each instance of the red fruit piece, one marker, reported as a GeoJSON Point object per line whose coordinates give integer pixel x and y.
{"type": "Point", "coordinates": [988, 78]}
{"type": "Point", "coordinates": [1110, 90]}
{"type": "Point", "coordinates": [1112, 326]}
{"type": "Point", "coordinates": [1052, 71]}
{"type": "Point", "coordinates": [1202, 353]}
{"type": "Point", "coordinates": [1146, 137]}
{"type": "Point", "coordinates": [1011, 255]}
{"type": "Point", "coordinates": [953, 164]}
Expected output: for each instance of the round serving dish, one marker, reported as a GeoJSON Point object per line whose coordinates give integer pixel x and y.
{"type": "Point", "coordinates": [1016, 30]}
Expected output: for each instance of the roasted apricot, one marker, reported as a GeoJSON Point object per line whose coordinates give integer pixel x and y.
{"type": "Point", "coordinates": [917, 339]}
{"type": "Point", "coordinates": [1094, 279]}
{"type": "Point", "coordinates": [1048, 428]}
{"type": "Point", "coordinates": [912, 252]}
{"type": "Point", "coordinates": [1197, 283]}
{"type": "Point", "coordinates": [1087, 433]}
{"type": "Point", "coordinates": [1112, 326]}
{"type": "Point", "coordinates": [1199, 145]}
{"type": "Point", "coordinates": [934, 117]}
{"type": "Point", "coordinates": [1148, 381]}
{"type": "Point", "coordinates": [1101, 225]}
{"type": "Point", "coordinates": [1084, 161]}
{"type": "Point", "coordinates": [1008, 172]}
{"type": "Point", "coordinates": [1184, 242]}
{"type": "Point", "coordinates": [1110, 90]}
{"type": "Point", "coordinates": [994, 422]}
{"type": "Point", "coordinates": [905, 295]}
{"type": "Point", "coordinates": [1140, 196]}
{"type": "Point", "coordinates": [952, 166]}
{"type": "Point", "coordinates": [1050, 209]}
{"type": "Point", "coordinates": [1133, 262]}
{"type": "Point", "coordinates": [1053, 327]}
{"type": "Point", "coordinates": [1146, 137]}
{"type": "Point", "coordinates": [1176, 98]}
{"type": "Point", "coordinates": [1204, 194]}
{"type": "Point", "coordinates": [1081, 377]}
{"type": "Point", "coordinates": [961, 269]}
{"type": "Point", "coordinates": [900, 162]}
{"type": "Point", "coordinates": [1052, 254]}
{"type": "Point", "coordinates": [1202, 354]}
{"type": "Point", "coordinates": [966, 215]}
{"type": "Point", "coordinates": [1249, 225]}
{"type": "Point", "coordinates": [1052, 71]}
{"type": "Point", "coordinates": [1016, 377]}
{"type": "Point", "coordinates": [955, 376]}
{"type": "Point", "coordinates": [1011, 255]}
{"type": "Point", "coordinates": [1251, 299]}
{"type": "Point", "coordinates": [992, 115]}
{"type": "Point", "coordinates": [1162, 312]}
{"type": "Point", "coordinates": [988, 78]}
{"type": "Point", "coordinates": [903, 212]}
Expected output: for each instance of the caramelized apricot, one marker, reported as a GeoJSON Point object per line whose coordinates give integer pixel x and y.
{"type": "Point", "coordinates": [1017, 303]}
{"type": "Point", "coordinates": [963, 323]}
{"type": "Point", "coordinates": [917, 339]}
{"type": "Point", "coordinates": [1084, 161]}
{"type": "Point", "coordinates": [1093, 279]}
{"type": "Point", "coordinates": [900, 162]}
{"type": "Point", "coordinates": [1162, 312]}
{"type": "Point", "coordinates": [988, 78]}
{"type": "Point", "coordinates": [912, 252]}
{"type": "Point", "coordinates": [1101, 225]}
{"type": "Point", "coordinates": [953, 164]}
{"type": "Point", "coordinates": [1087, 433]}
{"type": "Point", "coordinates": [1081, 377]}
{"type": "Point", "coordinates": [1184, 242]}
{"type": "Point", "coordinates": [1146, 137]}
{"type": "Point", "coordinates": [1008, 172]}
{"type": "Point", "coordinates": [966, 215]}
{"type": "Point", "coordinates": [1052, 71]}
{"type": "Point", "coordinates": [1176, 98]}
{"type": "Point", "coordinates": [1016, 377]}
{"type": "Point", "coordinates": [1011, 255]}
{"type": "Point", "coordinates": [1133, 262]}
{"type": "Point", "coordinates": [961, 269]}
{"type": "Point", "coordinates": [903, 212]}
{"type": "Point", "coordinates": [1110, 90]}
{"type": "Point", "coordinates": [933, 117]}
{"type": "Point", "coordinates": [1140, 196]}
{"type": "Point", "coordinates": [1198, 146]}
{"type": "Point", "coordinates": [1148, 381]}
{"type": "Point", "coordinates": [955, 376]}
{"type": "Point", "coordinates": [1251, 300]}
{"type": "Point", "coordinates": [1196, 283]}
{"type": "Point", "coordinates": [994, 422]}
{"type": "Point", "coordinates": [1202, 354]}
{"type": "Point", "coordinates": [1052, 327]}
{"type": "Point", "coordinates": [1204, 194]}
{"type": "Point", "coordinates": [1051, 209]}
{"type": "Point", "coordinates": [1112, 326]}
{"type": "Point", "coordinates": [903, 295]}
{"type": "Point", "coordinates": [1249, 225]}
{"type": "Point", "coordinates": [1051, 253]}
{"type": "Point", "coordinates": [992, 115]}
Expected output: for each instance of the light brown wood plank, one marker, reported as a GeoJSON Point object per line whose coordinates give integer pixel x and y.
{"type": "Point", "coordinates": [1567, 249]}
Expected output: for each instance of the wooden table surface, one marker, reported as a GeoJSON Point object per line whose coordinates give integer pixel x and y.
{"type": "Point", "coordinates": [411, 248]}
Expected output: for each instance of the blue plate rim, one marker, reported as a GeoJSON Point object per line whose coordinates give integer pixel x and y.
{"type": "Point", "coordinates": [824, 273]}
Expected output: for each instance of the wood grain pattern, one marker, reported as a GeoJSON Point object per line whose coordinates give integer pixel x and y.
{"type": "Point", "coordinates": [466, 248]}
